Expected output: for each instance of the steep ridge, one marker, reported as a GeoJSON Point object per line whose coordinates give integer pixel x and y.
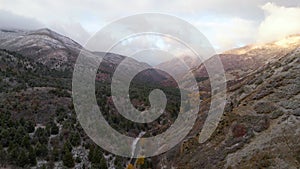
{"type": "Point", "coordinates": [60, 53]}
{"type": "Point", "coordinates": [130, 66]}
{"type": "Point", "coordinates": [242, 61]}
{"type": "Point", "coordinates": [236, 62]}
{"type": "Point", "coordinates": [260, 126]}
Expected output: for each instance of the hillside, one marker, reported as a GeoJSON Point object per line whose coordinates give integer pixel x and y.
{"type": "Point", "coordinates": [36, 106]}
{"type": "Point", "coordinates": [58, 52]}
{"type": "Point", "coordinates": [39, 127]}
{"type": "Point", "coordinates": [242, 61]}
{"type": "Point", "coordinates": [260, 126]}
{"type": "Point", "coordinates": [237, 62]}
{"type": "Point", "coordinates": [44, 46]}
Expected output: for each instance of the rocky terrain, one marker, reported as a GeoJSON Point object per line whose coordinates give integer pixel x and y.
{"type": "Point", "coordinates": [260, 126]}
{"type": "Point", "coordinates": [39, 129]}
{"type": "Point", "coordinates": [242, 61]}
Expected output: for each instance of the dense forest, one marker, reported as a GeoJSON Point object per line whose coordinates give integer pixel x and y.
{"type": "Point", "coordinates": [38, 125]}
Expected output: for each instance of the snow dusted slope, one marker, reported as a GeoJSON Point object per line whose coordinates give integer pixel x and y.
{"type": "Point", "coordinates": [59, 52]}
{"type": "Point", "coordinates": [45, 46]}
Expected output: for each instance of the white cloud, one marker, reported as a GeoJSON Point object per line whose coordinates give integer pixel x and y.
{"type": "Point", "coordinates": [71, 29]}
{"type": "Point", "coordinates": [11, 20]}
{"type": "Point", "coordinates": [112, 9]}
{"type": "Point", "coordinates": [279, 22]}
{"type": "Point", "coordinates": [227, 24]}
{"type": "Point", "coordinates": [229, 33]}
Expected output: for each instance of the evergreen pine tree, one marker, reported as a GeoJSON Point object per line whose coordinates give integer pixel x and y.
{"type": "Point", "coordinates": [3, 157]}
{"type": "Point", "coordinates": [68, 160]}
{"type": "Point", "coordinates": [32, 156]}
{"type": "Point", "coordinates": [103, 163]}
{"type": "Point", "coordinates": [22, 159]}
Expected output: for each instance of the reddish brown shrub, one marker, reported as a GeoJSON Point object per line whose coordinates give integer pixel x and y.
{"type": "Point", "coordinates": [239, 130]}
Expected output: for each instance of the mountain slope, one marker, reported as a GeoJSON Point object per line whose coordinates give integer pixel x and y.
{"type": "Point", "coordinates": [178, 65]}
{"type": "Point", "coordinates": [38, 91]}
{"type": "Point", "coordinates": [44, 46]}
{"type": "Point", "coordinates": [239, 62]}
{"type": "Point", "coordinates": [259, 129]}
{"type": "Point", "coordinates": [58, 52]}
{"type": "Point", "coordinates": [260, 126]}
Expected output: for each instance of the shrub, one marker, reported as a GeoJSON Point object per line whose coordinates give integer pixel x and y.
{"type": "Point", "coordinates": [239, 130]}
{"type": "Point", "coordinates": [264, 107]}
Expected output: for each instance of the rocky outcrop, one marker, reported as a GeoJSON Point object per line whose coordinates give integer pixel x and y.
{"type": "Point", "coordinates": [260, 126]}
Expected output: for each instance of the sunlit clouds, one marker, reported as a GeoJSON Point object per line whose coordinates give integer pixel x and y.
{"type": "Point", "coordinates": [227, 24]}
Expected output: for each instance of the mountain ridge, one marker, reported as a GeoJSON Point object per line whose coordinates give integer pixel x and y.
{"type": "Point", "coordinates": [60, 52]}
{"type": "Point", "coordinates": [259, 128]}
{"type": "Point", "coordinates": [261, 121]}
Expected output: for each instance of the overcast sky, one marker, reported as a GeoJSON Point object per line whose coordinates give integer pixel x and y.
{"type": "Point", "coordinates": [226, 23]}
